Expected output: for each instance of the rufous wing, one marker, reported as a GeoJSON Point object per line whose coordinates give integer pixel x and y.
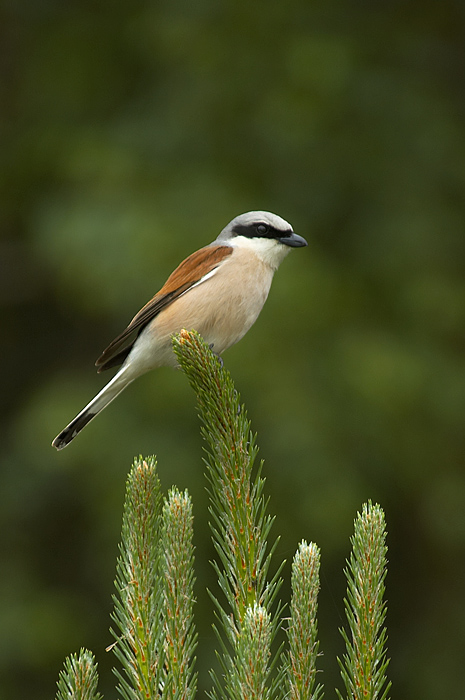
{"type": "Point", "coordinates": [185, 276]}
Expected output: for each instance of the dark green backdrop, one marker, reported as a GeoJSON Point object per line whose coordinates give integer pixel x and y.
{"type": "Point", "coordinates": [131, 134]}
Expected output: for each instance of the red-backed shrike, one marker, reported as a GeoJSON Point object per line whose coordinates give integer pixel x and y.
{"type": "Point", "coordinates": [218, 291]}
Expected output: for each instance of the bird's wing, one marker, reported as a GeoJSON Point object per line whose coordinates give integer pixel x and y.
{"type": "Point", "coordinates": [186, 275]}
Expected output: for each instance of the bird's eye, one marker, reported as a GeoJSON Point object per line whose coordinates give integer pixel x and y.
{"type": "Point", "coordinates": [262, 229]}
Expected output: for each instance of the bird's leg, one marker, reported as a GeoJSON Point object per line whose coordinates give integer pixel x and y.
{"type": "Point", "coordinates": [222, 365]}
{"type": "Point", "coordinates": [217, 355]}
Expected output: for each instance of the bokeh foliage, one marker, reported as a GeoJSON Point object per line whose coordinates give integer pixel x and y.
{"type": "Point", "coordinates": [130, 134]}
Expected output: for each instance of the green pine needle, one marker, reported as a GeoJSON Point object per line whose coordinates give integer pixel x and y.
{"type": "Point", "coordinates": [241, 524]}
{"type": "Point", "coordinates": [247, 679]}
{"type": "Point", "coordinates": [177, 573]}
{"type": "Point", "coordinates": [139, 641]}
{"type": "Point", "coordinates": [79, 678]}
{"type": "Point", "coordinates": [302, 630]}
{"type": "Point", "coordinates": [364, 665]}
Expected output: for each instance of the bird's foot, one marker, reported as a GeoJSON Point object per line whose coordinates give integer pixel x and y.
{"type": "Point", "coordinates": [217, 355]}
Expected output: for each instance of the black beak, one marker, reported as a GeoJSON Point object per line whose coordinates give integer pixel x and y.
{"type": "Point", "coordinates": [293, 240]}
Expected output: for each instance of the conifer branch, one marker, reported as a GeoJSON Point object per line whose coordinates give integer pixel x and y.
{"type": "Point", "coordinates": [302, 630]}
{"type": "Point", "coordinates": [177, 571]}
{"type": "Point", "coordinates": [365, 662]}
{"type": "Point", "coordinates": [79, 678]}
{"type": "Point", "coordinates": [155, 634]}
{"type": "Point", "coordinates": [139, 641]}
{"type": "Point", "coordinates": [247, 681]}
{"type": "Point", "coordinates": [241, 524]}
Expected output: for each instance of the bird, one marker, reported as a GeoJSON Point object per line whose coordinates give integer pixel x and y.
{"type": "Point", "coordinates": [218, 291]}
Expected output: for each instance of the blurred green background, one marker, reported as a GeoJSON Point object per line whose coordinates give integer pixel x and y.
{"type": "Point", "coordinates": [131, 134]}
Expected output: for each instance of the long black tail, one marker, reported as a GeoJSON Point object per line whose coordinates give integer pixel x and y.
{"type": "Point", "coordinates": [109, 392]}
